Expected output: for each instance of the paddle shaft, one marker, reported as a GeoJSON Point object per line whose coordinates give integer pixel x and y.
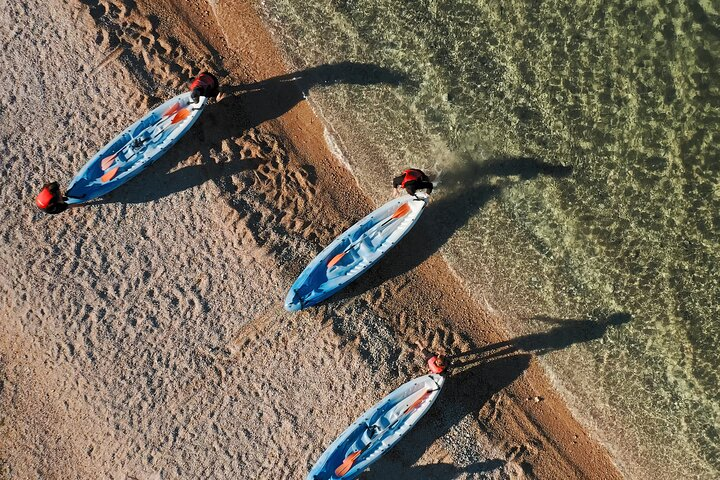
{"type": "Point", "coordinates": [373, 229]}
{"type": "Point", "coordinates": [154, 137]}
{"type": "Point", "coordinates": [345, 466]}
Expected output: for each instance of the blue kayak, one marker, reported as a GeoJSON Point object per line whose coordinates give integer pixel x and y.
{"type": "Point", "coordinates": [355, 251]}
{"type": "Point", "coordinates": [137, 147]}
{"type": "Point", "coordinates": [377, 430]}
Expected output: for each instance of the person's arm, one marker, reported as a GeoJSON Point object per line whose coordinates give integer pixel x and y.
{"type": "Point", "coordinates": [397, 181]}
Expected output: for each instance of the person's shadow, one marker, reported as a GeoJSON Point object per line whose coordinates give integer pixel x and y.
{"type": "Point", "coordinates": [482, 373]}
{"type": "Point", "coordinates": [465, 393]}
{"type": "Point", "coordinates": [432, 471]}
{"type": "Point", "coordinates": [462, 193]}
{"type": "Point", "coordinates": [243, 108]}
{"type": "Point", "coordinates": [564, 334]}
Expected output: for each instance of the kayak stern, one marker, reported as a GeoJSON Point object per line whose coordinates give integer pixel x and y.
{"type": "Point", "coordinates": [293, 301]}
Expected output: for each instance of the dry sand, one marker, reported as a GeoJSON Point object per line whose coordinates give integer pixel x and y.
{"type": "Point", "coordinates": [144, 336]}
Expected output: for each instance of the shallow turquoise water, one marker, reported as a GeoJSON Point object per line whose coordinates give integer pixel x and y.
{"type": "Point", "coordinates": [623, 94]}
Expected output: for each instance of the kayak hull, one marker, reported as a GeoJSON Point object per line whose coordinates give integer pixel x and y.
{"type": "Point", "coordinates": [356, 250]}
{"type": "Point", "coordinates": [379, 420]}
{"type": "Point", "coordinates": [136, 148]}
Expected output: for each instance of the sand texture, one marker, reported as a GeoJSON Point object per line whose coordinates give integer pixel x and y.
{"type": "Point", "coordinates": [143, 336]}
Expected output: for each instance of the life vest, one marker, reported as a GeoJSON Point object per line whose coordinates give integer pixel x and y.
{"type": "Point", "coordinates": [437, 364]}
{"type": "Point", "coordinates": [50, 199]}
{"type": "Point", "coordinates": [45, 198]}
{"type": "Point", "coordinates": [412, 174]}
{"type": "Point", "coordinates": [206, 84]}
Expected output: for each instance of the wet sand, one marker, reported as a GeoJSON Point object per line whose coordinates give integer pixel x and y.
{"type": "Point", "coordinates": [144, 336]}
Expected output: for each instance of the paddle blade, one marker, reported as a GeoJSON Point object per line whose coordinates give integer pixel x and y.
{"type": "Point", "coordinates": [180, 116]}
{"type": "Point", "coordinates": [417, 402]}
{"type": "Point", "coordinates": [347, 463]}
{"type": "Point", "coordinates": [172, 110]}
{"type": "Point", "coordinates": [403, 210]}
{"type": "Point", "coordinates": [107, 161]}
{"type": "Point", "coordinates": [336, 259]}
{"type": "Point", "coordinates": [109, 175]}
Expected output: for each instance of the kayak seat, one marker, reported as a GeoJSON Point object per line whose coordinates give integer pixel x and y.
{"type": "Point", "coordinates": [361, 441]}
{"type": "Point", "coordinates": [382, 423]}
{"type": "Point", "coordinates": [366, 247]}
{"type": "Point", "coordinates": [347, 261]}
{"type": "Point", "coordinates": [369, 433]}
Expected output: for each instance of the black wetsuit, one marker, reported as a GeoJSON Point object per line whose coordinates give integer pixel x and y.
{"type": "Point", "coordinates": [56, 207]}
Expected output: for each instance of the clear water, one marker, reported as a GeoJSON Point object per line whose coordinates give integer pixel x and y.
{"type": "Point", "coordinates": [625, 96]}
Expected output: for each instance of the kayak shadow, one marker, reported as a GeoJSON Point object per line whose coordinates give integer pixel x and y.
{"type": "Point", "coordinates": [157, 183]}
{"type": "Point", "coordinates": [433, 471]}
{"type": "Point", "coordinates": [565, 333]}
{"type": "Point", "coordinates": [463, 192]}
{"type": "Point", "coordinates": [483, 372]}
{"type": "Point", "coordinates": [465, 394]}
{"type": "Point", "coordinates": [243, 107]}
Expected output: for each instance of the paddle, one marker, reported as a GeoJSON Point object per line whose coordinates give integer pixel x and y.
{"type": "Point", "coordinates": [403, 210]}
{"type": "Point", "coordinates": [109, 175]}
{"type": "Point", "coordinates": [349, 461]}
{"type": "Point", "coordinates": [171, 110]}
{"type": "Point", "coordinates": [177, 114]}
{"type": "Point", "coordinates": [107, 161]}
{"type": "Point", "coordinates": [180, 116]}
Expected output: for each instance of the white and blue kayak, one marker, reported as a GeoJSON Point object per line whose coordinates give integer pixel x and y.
{"type": "Point", "coordinates": [355, 251]}
{"type": "Point", "coordinates": [377, 430]}
{"type": "Point", "coordinates": [137, 147]}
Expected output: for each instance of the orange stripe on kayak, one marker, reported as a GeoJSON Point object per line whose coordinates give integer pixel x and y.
{"type": "Point", "coordinates": [180, 116]}
{"type": "Point", "coordinates": [109, 175]}
{"type": "Point", "coordinates": [107, 161]}
{"type": "Point", "coordinates": [402, 211]}
{"type": "Point", "coordinates": [172, 110]}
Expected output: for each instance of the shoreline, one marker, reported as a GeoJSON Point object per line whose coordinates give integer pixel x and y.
{"type": "Point", "coordinates": [289, 197]}
{"type": "Point", "coordinates": [235, 13]}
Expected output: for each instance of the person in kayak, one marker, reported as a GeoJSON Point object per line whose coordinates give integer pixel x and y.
{"type": "Point", "coordinates": [51, 200]}
{"type": "Point", "coordinates": [413, 180]}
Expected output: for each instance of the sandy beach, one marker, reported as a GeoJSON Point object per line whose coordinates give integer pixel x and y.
{"type": "Point", "coordinates": [143, 336]}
